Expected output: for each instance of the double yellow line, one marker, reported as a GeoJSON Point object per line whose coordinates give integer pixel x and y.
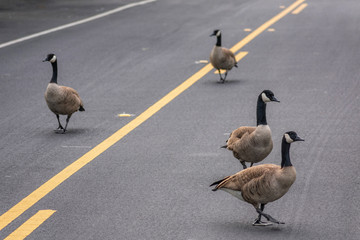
{"type": "Point", "coordinates": [55, 181]}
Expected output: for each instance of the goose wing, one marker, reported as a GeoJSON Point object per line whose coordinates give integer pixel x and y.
{"type": "Point", "coordinates": [70, 90]}
{"type": "Point", "coordinates": [257, 185]}
{"type": "Point", "coordinates": [239, 180]}
{"type": "Point", "coordinates": [253, 183]}
{"type": "Point", "coordinates": [229, 54]}
{"type": "Point", "coordinates": [239, 134]}
{"type": "Point", "coordinates": [72, 99]}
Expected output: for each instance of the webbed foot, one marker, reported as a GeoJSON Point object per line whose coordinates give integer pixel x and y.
{"type": "Point", "coordinates": [60, 131]}
{"type": "Point", "coordinates": [262, 224]}
{"type": "Point", "coordinates": [270, 218]}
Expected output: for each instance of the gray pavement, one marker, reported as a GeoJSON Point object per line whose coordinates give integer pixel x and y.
{"type": "Point", "coordinates": [153, 183]}
{"type": "Point", "coordinates": [24, 17]}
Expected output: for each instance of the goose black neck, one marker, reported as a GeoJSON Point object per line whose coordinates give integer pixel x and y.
{"type": "Point", "coordinates": [261, 112]}
{"type": "Point", "coordinates": [285, 154]}
{"type": "Point", "coordinates": [218, 42]}
{"type": "Point", "coordinates": [54, 76]}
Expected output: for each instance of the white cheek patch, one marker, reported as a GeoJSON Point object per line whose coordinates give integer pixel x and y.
{"type": "Point", "coordinates": [218, 33]}
{"type": "Point", "coordinates": [53, 59]}
{"type": "Point", "coordinates": [288, 138]}
{"type": "Point", "coordinates": [265, 98]}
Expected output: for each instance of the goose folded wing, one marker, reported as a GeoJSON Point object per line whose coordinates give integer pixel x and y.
{"type": "Point", "coordinates": [72, 98]}
{"type": "Point", "coordinates": [239, 133]}
{"type": "Point", "coordinates": [228, 53]}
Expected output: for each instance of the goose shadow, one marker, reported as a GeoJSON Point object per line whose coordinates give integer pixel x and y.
{"type": "Point", "coordinates": [69, 131]}
{"type": "Point", "coordinates": [72, 131]}
{"type": "Point", "coordinates": [237, 228]}
{"type": "Point", "coordinates": [227, 82]}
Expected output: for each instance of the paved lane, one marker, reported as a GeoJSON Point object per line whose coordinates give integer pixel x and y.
{"type": "Point", "coordinates": [20, 17]}
{"type": "Point", "coordinates": [153, 184]}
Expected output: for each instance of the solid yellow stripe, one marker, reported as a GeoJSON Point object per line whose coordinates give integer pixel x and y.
{"type": "Point", "coordinates": [300, 8]}
{"type": "Point", "coordinates": [30, 225]}
{"type": "Point", "coordinates": [44, 189]}
{"type": "Point", "coordinates": [238, 57]}
{"type": "Point", "coordinates": [50, 185]}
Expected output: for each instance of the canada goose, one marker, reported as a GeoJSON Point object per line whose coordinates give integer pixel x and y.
{"type": "Point", "coordinates": [265, 183]}
{"type": "Point", "coordinates": [60, 99]}
{"type": "Point", "coordinates": [253, 144]}
{"type": "Point", "coordinates": [221, 58]}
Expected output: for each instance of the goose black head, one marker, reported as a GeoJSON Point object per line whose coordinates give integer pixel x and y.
{"type": "Point", "coordinates": [292, 136]}
{"type": "Point", "coordinates": [216, 32]}
{"type": "Point", "coordinates": [50, 58]}
{"type": "Point", "coordinates": [268, 96]}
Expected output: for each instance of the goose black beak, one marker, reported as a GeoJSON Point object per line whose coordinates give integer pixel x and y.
{"type": "Point", "coordinates": [45, 60]}
{"type": "Point", "coordinates": [299, 139]}
{"type": "Point", "coordinates": [212, 35]}
{"type": "Point", "coordinates": [274, 100]}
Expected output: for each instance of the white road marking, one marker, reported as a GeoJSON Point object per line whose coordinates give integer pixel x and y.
{"type": "Point", "coordinates": [35, 35]}
{"type": "Point", "coordinates": [201, 61]}
{"type": "Point", "coordinates": [126, 114]}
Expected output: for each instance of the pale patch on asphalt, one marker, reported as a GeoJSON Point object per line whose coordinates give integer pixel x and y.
{"type": "Point", "coordinates": [126, 114]}
{"type": "Point", "coordinates": [201, 62]}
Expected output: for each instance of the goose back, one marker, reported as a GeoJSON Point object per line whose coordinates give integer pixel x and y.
{"type": "Point", "coordinates": [62, 100]}
{"type": "Point", "coordinates": [222, 58]}
{"type": "Point", "coordinates": [251, 144]}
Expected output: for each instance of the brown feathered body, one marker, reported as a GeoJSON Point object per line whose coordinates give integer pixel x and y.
{"type": "Point", "coordinates": [259, 184]}
{"type": "Point", "coordinates": [62, 100]}
{"type": "Point", "coordinates": [222, 58]}
{"type": "Point", "coordinates": [251, 144]}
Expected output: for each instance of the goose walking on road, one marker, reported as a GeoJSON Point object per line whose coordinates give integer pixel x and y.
{"type": "Point", "coordinates": [253, 144]}
{"type": "Point", "coordinates": [61, 100]}
{"type": "Point", "coordinates": [220, 57]}
{"type": "Point", "coordinates": [265, 183]}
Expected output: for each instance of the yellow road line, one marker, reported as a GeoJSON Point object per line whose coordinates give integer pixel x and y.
{"type": "Point", "coordinates": [51, 184]}
{"type": "Point", "coordinates": [300, 8]}
{"type": "Point", "coordinates": [238, 57]}
{"type": "Point", "coordinates": [265, 26]}
{"type": "Point", "coordinates": [30, 225]}
{"type": "Point", "coordinates": [55, 181]}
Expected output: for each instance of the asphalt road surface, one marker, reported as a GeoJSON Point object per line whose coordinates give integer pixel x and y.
{"type": "Point", "coordinates": [153, 183]}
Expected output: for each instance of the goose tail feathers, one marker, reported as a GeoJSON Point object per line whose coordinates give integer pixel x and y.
{"type": "Point", "coordinates": [216, 183]}
{"type": "Point", "coordinates": [219, 183]}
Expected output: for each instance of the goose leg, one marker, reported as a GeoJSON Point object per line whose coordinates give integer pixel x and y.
{"type": "Point", "coordinates": [67, 121]}
{"type": "Point", "coordinates": [225, 75]}
{"type": "Point", "coordinates": [58, 118]}
{"type": "Point", "coordinates": [243, 164]}
{"type": "Point", "coordinates": [267, 216]}
{"type": "Point", "coordinates": [221, 79]}
{"type": "Point", "coordinates": [258, 221]}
